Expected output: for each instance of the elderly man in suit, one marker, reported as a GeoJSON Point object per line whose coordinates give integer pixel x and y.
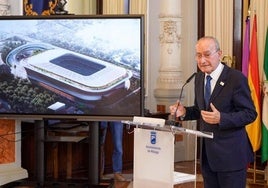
{"type": "Point", "coordinates": [224, 106]}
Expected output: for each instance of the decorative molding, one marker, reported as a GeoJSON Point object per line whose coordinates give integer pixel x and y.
{"type": "Point", "coordinates": [169, 35]}
{"type": "Point", "coordinates": [4, 8]}
{"type": "Point", "coordinates": [169, 80]}
{"type": "Point", "coordinates": [162, 15]}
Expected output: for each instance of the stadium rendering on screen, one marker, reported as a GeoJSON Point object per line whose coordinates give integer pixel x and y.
{"type": "Point", "coordinates": [71, 66]}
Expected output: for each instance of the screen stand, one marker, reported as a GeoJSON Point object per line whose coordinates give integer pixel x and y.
{"type": "Point", "coordinates": [40, 136]}
{"type": "Point", "coordinates": [93, 144]}
{"type": "Point", "coordinates": [93, 148]}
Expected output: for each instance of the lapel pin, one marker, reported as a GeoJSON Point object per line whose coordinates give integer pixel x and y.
{"type": "Point", "coordinates": [222, 83]}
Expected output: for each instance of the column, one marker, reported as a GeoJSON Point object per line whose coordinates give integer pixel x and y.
{"type": "Point", "coordinates": [169, 80]}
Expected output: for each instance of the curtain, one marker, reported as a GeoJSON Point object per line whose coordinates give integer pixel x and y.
{"type": "Point", "coordinates": [81, 6]}
{"type": "Point", "coordinates": [119, 6]}
{"type": "Point", "coordinates": [219, 23]}
{"type": "Point", "coordinates": [138, 7]}
{"type": "Point", "coordinates": [113, 7]}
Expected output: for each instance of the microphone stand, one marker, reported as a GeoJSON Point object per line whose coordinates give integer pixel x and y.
{"type": "Point", "coordinates": [172, 118]}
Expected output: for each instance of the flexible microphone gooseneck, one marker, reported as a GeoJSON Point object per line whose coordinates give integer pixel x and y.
{"type": "Point", "coordinates": [173, 119]}
{"type": "Point", "coordinates": [187, 81]}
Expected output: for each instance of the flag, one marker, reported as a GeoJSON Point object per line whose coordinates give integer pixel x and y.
{"type": "Point", "coordinates": [245, 56]}
{"type": "Point", "coordinates": [39, 7]}
{"type": "Point", "coordinates": [254, 129]}
{"type": "Point", "coordinates": [264, 144]}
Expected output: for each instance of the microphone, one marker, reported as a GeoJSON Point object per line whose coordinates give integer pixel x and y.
{"type": "Point", "coordinates": [173, 117]}
{"type": "Point", "coordinates": [190, 78]}
{"type": "Point", "coordinates": [187, 81]}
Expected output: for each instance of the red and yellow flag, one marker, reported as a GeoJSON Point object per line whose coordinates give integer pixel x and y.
{"type": "Point", "coordinates": [254, 129]}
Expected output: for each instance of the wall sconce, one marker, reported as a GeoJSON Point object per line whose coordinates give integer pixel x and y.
{"type": "Point", "coordinates": [229, 60]}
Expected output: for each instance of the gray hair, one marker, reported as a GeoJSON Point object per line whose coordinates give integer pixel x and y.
{"type": "Point", "coordinates": [216, 42]}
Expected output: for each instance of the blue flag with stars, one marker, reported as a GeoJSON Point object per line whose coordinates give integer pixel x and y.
{"type": "Point", "coordinates": [39, 7]}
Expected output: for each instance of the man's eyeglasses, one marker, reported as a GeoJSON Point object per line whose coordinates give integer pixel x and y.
{"type": "Point", "coordinates": [205, 55]}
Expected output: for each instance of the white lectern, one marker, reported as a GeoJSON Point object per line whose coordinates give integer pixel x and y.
{"type": "Point", "coordinates": [154, 153]}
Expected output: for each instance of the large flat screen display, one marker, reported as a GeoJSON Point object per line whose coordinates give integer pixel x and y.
{"type": "Point", "coordinates": [83, 67]}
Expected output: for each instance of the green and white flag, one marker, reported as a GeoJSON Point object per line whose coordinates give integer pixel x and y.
{"type": "Point", "coordinates": [264, 145]}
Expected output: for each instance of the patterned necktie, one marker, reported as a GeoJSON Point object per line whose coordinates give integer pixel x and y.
{"type": "Point", "coordinates": [207, 90]}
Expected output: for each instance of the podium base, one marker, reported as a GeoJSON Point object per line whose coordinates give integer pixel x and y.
{"type": "Point", "coordinates": [156, 185]}
{"type": "Point", "coordinates": [149, 183]}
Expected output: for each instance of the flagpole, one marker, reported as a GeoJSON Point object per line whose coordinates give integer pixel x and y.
{"type": "Point", "coordinates": [265, 173]}
{"type": "Point", "coordinates": [254, 169]}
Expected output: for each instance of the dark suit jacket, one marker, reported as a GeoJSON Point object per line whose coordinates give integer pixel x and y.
{"type": "Point", "coordinates": [230, 148]}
